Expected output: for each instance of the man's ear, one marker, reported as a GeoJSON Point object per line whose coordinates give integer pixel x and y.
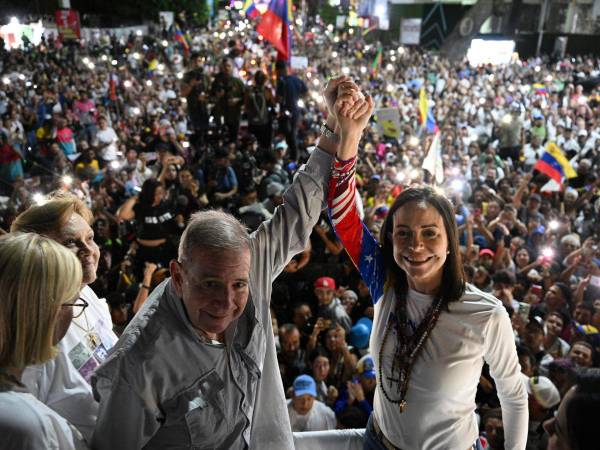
{"type": "Point", "coordinates": [177, 276]}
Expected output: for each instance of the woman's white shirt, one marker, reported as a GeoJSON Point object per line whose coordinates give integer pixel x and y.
{"type": "Point", "coordinates": [440, 411]}
{"type": "Point", "coordinates": [28, 424]}
{"type": "Point", "coordinates": [63, 382]}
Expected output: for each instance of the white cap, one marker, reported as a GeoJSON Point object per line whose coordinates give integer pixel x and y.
{"type": "Point", "coordinates": [544, 391]}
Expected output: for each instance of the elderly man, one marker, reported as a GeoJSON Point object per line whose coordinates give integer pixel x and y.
{"type": "Point", "coordinates": [197, 368]}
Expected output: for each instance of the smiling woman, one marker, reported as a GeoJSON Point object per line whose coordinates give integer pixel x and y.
{"type": "Point", "coordinates": [431, 330]}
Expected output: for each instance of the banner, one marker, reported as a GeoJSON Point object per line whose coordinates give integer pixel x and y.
{"type": "Point", "coordinates": [410, 31]}
{"type": "Point", "coordinates": [299, 62]}
{"type": "Point", "coordinates": [67, 22]}
{"type": "Point", "coordinates": [166, 18]}
{"type": "Point", "coordinates": [388, 122]}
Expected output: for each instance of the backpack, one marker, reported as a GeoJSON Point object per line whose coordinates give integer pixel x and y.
{"type": "Point", "coordinates": [258, 109]}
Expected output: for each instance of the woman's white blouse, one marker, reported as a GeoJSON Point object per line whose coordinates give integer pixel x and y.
{"type": "Point", "coordinates": [440, 412]}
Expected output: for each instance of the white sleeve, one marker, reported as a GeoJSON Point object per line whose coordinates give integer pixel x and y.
{"type": "Point", "coordinates": [501, 355]}
{"type": "Point", "coordinates": [59, 386]}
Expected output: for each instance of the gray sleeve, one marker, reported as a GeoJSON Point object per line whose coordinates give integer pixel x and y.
{"type": "Point", "coordinates": [276, 241]}
{"type": "Point", "coordinates": [124, 420]}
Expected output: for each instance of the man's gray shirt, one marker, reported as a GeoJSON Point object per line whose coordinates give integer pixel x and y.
{"type": "Point", "coordinates": [162, 387]}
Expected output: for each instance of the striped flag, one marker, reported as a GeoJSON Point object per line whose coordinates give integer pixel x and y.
{"type": "Point", "coordinates": [555, 165]}
{"type": "Point", "coordinates": [250, 9]}
{"type": "Point", "coordinates": [426, 113]}
{"type": "Point", "coordinates": [182, 39]}
{"type": "Point", "coordinates": [377, 61]}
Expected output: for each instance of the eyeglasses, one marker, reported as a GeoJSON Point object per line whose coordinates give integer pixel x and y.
{"type": "Point", "coordinates": [78, 306]}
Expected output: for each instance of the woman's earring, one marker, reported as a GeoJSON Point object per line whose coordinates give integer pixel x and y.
{"type": "Point", "coordinates": [447, 252]}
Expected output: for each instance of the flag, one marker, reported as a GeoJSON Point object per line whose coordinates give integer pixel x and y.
{"type": "Point", "coordinates": [112, 86]}
{"type": "Point", "coordinates": [182, 39]}
{"type": "Point", "coordinates": [426, 113]}
{"type": "Point", "coordinates": [377, 61]}
{"type": "Point", "coordinates": [275, 26]}
{"type": "Point", "coordinates": [250, 9]}
{"type": "Point", "coordinates": [554, 164]}
{"type": "Point", "coordinates": [540, 88]}
{"type": "Point", "coordinates": [433, 161]}
{"type": "Point", "coordinates": [368, 30]}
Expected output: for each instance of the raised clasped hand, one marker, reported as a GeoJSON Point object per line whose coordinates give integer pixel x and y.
{"type": "Point", "coordinates": [352, 109]}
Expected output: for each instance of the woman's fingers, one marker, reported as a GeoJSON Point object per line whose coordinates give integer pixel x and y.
{"type": "Point", "coordinates": [363, 108]}
{"type": "Point", "coordinates": [355, 107]}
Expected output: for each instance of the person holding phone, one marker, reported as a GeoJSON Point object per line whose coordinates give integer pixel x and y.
{"type": "Point", "coordinates": [431, 331]}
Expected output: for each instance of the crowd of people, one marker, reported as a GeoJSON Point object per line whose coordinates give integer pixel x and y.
{"type": "Point", "coordinates": [110, 147]}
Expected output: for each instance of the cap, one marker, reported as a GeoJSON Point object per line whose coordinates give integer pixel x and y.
{"type": "Point", "coordinates": [305, 384]}
{"type": "Point", "coordinates": [325, 283]}
{"type": "Point", "coordinates": [275, 188]}
{"type": "Point", "coordinates": [366, 367]}
{"type": "Point", "coordinates": [544, 391]}
{"type": "Point", "coordinates": [366, 321]}
{"type": "Point", "coordinates": [487, 251]}
{"type": "Point", "coordinates": [535, 197]}
{"type": "Point", "coordinates": [281, 145]}
{"type": "Point", "coordinates": [359, 336]}
{"type": "Point", "coordinates": [538, 116]}
{"type": "Point", "coordinates": [539, 230]}
{"type": "Point", "coordinates": [582, 133]}
{"type": "Point", "coordinates": [382, 212]}
{"type": "Point", "coordinates": [536, 322]}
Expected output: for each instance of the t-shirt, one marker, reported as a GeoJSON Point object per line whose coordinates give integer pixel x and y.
{"type": "Point", "coordinates": [319, 418]}
{"type": "Point", "coordinates": [108, 136]}
{"type": "Point", "coordinates": [153, 222]}
{"type": "Point", "coordinates": [28, 424]}
{"type": "Point", "coordinates": [64, 136]}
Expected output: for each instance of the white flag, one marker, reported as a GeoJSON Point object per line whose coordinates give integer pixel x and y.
{"type": "Point", "coordinates": [551, 186]}
{"type": "Point", "coordinates": [433, 161]}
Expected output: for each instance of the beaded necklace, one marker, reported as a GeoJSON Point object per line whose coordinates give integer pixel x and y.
{"type": "Point", "coordinates": [408, 347]}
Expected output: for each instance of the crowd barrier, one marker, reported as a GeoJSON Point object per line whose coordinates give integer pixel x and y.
{"type": "Point", "coordinates": [330, 440]}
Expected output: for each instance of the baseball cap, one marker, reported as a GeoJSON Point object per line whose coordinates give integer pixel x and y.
{"type": "Point", "coordinates": [368, 322]}
{"type": "Point", "coordinates": [544, 391]}
{"type": "Point", "coordinates": [366, 367]}
{"type": "Point", "coordinates": [536, 322]}
{"type": "Point", "coordinates": [582, 133]}
{"type": "Point", "coordinates": [325, 283]}
{"type": "Point", "coordinates": [359, 336]}
{"type": "Point", "coordinates": [537, 115]}
{"type": "Point", "coordinates": [487, 251]}
{"type": "Point", "coordinates": [535, 197]}
{"type": "Point", "coordinates": [305, 384]}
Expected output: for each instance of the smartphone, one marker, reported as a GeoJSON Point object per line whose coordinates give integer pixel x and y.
{"type": "Point", "coordinates": [477, 212]}
{"type": "Point", "coordinates": [595, 280]}
{"type": "Point", "coordinates": [536, 290]}
{"type": "Point", "coordinates": [524, 309]}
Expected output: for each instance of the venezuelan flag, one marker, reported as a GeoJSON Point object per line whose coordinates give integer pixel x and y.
{"type": "Point", "coordinates": [426, 113]}
{"type": "Point", "coordinates": [250, 9]}
{"type": "Point", "coordinates": [275, 26]}
{"type": "Point", "coordinates": [540, 88]}
{"type": "Point", "coordinates": [554, 164]}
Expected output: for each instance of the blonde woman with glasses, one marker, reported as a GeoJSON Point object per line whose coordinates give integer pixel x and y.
{"type": "Point", "coordinates": [62, 384]}
{"type": "Point", "coordinates": [39, 286]}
